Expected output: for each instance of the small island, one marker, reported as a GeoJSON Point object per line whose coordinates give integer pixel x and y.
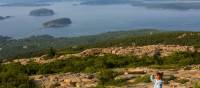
{"type": "Point", "coordinates": [42, 12]}
{"type": "Point", "coordinates": [3, 18]}
{"type": "Point", "coordinates": [61, 22]}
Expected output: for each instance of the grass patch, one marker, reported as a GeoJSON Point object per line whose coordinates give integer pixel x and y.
{"type": "Point", "coordinates": [165, 66]}
{"type": "Point", "coordinates": [145, 79]}
{"type": "Point", "coordinates": [196, 84]}
{"type": "Point", "coordinates": [182, 81]}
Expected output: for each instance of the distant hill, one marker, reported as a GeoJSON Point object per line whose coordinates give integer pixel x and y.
{"type": "Point", "coordinates": [38, 45]}
{"type": "Point", "coordinates": [169, 5]}
{"type": "Point", "coordinates": [150, 4]}
{"type": "Point", "coordinates": [3, 39]}
{"type": "Point", "coordinates": [26, 2]}
{"type": "Point", "coordinates": [104, 2]}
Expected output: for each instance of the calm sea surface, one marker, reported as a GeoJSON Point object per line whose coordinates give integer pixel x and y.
{"type": "Point", "coordinates": [94, 19]}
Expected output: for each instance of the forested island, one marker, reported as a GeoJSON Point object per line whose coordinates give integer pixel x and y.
{"type": "Point", "coordinates": [42, 12]}
{"type": "Point", "coordinates": [3, 18]}
{"type": "Point", "coordinates": [61, 22]}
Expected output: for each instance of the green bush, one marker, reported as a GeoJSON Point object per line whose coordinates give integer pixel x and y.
{"type": "Point", "coordinates": [100, 86]}
{"type": "Point", "coordinates": [196, 84]}
{"type": "Point", "coordinates": [51, 52]}
{"type": "Point", "coordinates": [90, 70]}
{"type": "Point", "coordinates": [167, 80]}
{"type": "Point", "coordinates": [31, 68]}
{"type": "Point", "coordinates": [183, 58]}
{"type": "Point", "coordinates": [145, 79]}
{"type": "Point", "coordinates": [183, 81]}
{"type": "Point", "coordinates": [13, 76]}
{"type": "Point", "coordinates": [105, 76]}
{"type": "Point", "coordinates": [118, 82]}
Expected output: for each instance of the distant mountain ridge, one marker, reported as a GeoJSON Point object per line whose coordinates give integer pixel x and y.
{"type": "Point", "coordinates": [26, 2]}
{"type": "Point", "coordinates": [151, 4]}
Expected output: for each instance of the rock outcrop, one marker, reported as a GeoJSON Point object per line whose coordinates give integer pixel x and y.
{"type": "Point", "coordinates": [61, 22]}
{"type": "Point", "coordinates": [83, 80]}
{"type": "Point", "coordinates": [67, 80]}
{"type": "Point", "coordinates": [42, 12]}
{"type": "Point", "coordinates": [149, 50]}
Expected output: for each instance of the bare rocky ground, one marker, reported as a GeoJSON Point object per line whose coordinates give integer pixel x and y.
{"type": "Point", "coordinates": [149, 50]}
{"type": "Point", "coordinates": [66, 80]}
{"type": "Point", "coordinates": [192, 75]}
{"type": "Point", "coordinates": [82, 80]}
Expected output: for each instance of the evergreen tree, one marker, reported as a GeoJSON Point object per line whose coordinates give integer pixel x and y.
{"type": "Point", "coordinates": [51, 52]}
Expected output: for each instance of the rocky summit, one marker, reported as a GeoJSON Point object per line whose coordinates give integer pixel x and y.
{"type": "Point", "coordinates": [149, 50]}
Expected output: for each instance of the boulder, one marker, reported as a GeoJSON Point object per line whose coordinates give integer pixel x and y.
{"type": "Point", "coordinates": [61, 22]}
{"type": "Point", "coordinates": [42, 12]}
{"type": "Point", "coordinates": [136, 71]}
{"type": "Point", "coordinates": [52, 85]}
{"type": "Point", "coordinates": [127, 77]}
{"type": "Point", "coordinates": [91, 52]}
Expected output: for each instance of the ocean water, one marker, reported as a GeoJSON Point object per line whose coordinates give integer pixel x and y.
{"type": "Point", "coordinates": [94, 19]}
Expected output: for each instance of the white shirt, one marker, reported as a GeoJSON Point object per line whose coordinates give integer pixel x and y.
{"type": "Point", "coordinates": [157, 83]}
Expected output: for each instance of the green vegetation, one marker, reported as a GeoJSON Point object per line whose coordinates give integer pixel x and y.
{"type": "Point", "coordinates": [183, 81]}
{"type": "Point", "coordinates": [107, 76]}
{"type": "Point", "coordinates": [167, 80]}
{"type": "Point", "coordinates": [196, 84]}
{"type": "Point", "coordinates": [51, 52]}
{"type": "Point", "coordinates": [13, 76]}
{"type": "Point", "coordinates": [191, 38]}
{"type": "Point", "coordinates": [38, 45]}
{"type": "Point", "coordinates": [97, 63]}
{"type": "Point", "coordinates": [145, 79]}
{"type": "Point", "coordinates": [183, 58]}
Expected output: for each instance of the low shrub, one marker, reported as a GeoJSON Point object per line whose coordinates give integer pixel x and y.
{"type": "Point", "coordinates": [196, 84]}
{"type": "Point", "coordinates": [183, 81]}
{"type": "Point", "coordinates": [145, 79]}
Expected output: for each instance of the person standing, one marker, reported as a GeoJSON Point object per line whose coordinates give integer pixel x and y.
{"type": "Point", "coordinates": [157, 80]}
